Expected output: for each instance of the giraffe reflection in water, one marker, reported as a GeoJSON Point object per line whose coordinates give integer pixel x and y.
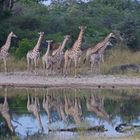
{"type": "Point", "coordinates": [4, 111]}
{"type": "Point", "coordinates": [33, 106]}
{"type": "Point", "coordinates": [96, 104]}
{"type": "Point", "coordinates": [50, 104]}
{"type": "Point", "coordinates": [73, 108]}
{"type": "Point", "coordinates": [65, 107]}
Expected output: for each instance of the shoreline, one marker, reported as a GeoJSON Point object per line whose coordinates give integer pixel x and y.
{"type": "Point", "coordinates": [28, 80]}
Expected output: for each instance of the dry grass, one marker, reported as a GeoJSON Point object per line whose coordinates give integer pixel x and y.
{"type": "Point", "coordinates": [13, 64]}
{"type": "Point", "coordinates": [114, 57]}
{"type": "Point", "coordinates": [118, 57]}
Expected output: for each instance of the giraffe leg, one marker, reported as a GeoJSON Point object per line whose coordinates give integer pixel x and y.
{"type": "Point", "coordinates": [44, 66]}
{"type": "Point", "coordinates": [35, 63]}
{"type": "Point", "coordinates": [70, 66]}
{"type": "Point", "coordinates": [28, 102]}
{"type": "Point", "coordinates": [5, 99]}
{"type": "Point", "coordinates": [28, 63]}
{"type": "Point", "coordinates": [76, 65]}
{"type": "Point", "coordinates": [65, 67]}
{"type": "Point", "coordinates": [5, 65]}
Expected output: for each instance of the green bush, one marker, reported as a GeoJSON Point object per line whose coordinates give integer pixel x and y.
{"type": "Point", "coordinates": [24, 46]}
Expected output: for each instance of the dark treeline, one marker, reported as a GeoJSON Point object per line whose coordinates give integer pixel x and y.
{"type": "Point", "coordinates": [27, 17]}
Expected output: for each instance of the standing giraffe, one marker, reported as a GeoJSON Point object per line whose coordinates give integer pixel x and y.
{"type": "Point", "coordinates": [47, 59]}
{"type": "Point", "coordinates": [58, 54]}
{"type": "Point", "coordinates": [33, 106]}
{"type": "Point", "coordinates": [96, 54]}
{"type": "Point", "coordinates": [111, 36]}
{"type": "Point", "coordinates": [5, 48]}
{"type": "Point", "coordinates": [75, 52]}
{"type": "Point", "coordinates": [98, 57]}
{"type": "Point", "coordinates": [4, 111]}
{"type": "Point", "coordinates": [33, 55]}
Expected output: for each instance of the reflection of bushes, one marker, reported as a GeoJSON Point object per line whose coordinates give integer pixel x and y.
{"type": "Point", "coordinates": [130, 109]}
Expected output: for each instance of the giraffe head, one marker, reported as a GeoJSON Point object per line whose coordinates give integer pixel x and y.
{"type": "Point", "coordinates": [67, 37]}
{"type": "Point", "coordinates": [112, 35]}
{"type": "Point", "coordinates": [41, 33]}
{"type": "Point", "coordinates": [12, 35]}
{"type": "Point", "coordinates": [49, 42]}
{"type": "Point", "coordinates": [83, 28]}
{"type": "Point", "coordinates": [116, 35]}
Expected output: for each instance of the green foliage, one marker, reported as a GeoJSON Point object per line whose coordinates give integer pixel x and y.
{"type": "Point", "coordinates": [24, 46]}
{"type": "Point", "coordinates": [65, 16]}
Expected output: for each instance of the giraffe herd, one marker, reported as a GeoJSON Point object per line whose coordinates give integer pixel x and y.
{"type": "Point", "coordinates": [60, 60]}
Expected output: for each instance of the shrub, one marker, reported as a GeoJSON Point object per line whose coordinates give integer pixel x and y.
{"type": "Point", "coordinates": [24, 46]}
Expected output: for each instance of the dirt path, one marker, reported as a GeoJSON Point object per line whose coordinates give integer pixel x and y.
{"type": "Point", "coordinates": [23, 79]}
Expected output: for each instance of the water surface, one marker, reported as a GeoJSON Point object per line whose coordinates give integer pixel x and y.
{"type": "Point", "coordinates": [30, 112]}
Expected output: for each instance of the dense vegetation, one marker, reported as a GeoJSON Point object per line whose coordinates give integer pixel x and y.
{"type": "Point", "coordinates": [61, 17]}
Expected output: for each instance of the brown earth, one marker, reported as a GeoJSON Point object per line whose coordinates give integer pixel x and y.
{"type": "Point", "coordinates": [26, 79]}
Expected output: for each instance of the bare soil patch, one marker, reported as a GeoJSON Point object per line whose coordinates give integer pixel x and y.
{"type": "Point", "coordinates": [26, 79]}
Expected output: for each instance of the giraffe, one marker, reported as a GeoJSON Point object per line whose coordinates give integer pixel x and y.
{"type": "Point", "coordinates": [4, 110]}
{"type": "Point", "coordinates": [33, 106]}
{"type": "Point", "coordinates": [75, 52]}
{"type": "Point", "coordinates": [58, 54]}
{"type": "Point", "coordinates": [96, 105]}
{"type": "Point", "coordinates": [5, 48]}
{"type": "Point", "coordinates": [96, 54]}
{"type": "Point", "coordinates": [113, 35]}
{"type": "Point", "coordinates": [98, 57]}
{"type": "Point", "coordinates": [47, 59]}
{"type": "Point", "coordinates": [73, 110]}
{"type": "Point", "coordinates": [33, 55]}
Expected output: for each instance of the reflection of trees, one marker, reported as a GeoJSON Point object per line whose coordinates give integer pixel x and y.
{"type": "Point", "coordinates": [129, 109]}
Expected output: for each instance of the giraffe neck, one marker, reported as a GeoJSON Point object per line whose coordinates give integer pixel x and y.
{"type": "Point", "coordinates": [106, 39]}
{"type": "Point", "coordinates": [7, 44]}
{"type": "Point", "coordinates": [104, 44]}
{"type": "Point", "coordinates": [101, 51]}
{"type": "Point", "coordinates": [37, 46]}
{"type": "Point", "coordinates": [48, 50]}
{"type": "Point", "coordinates": [63, 44]}
{"type": "Point", "coordinates": [79, 40]}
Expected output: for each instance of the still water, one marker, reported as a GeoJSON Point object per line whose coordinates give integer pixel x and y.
{"type": "Point", "coordinates": [62, 112]}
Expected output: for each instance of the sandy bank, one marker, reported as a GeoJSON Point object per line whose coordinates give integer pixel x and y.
{"type": "Point", "coordinates": [23, 79]}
